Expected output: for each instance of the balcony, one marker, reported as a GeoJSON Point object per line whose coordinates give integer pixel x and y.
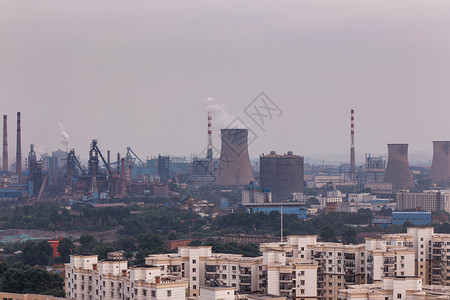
{"type": "Point", "coordinates": [286, 286]}
{"type": "Point", "coordinates": [285, 277]}
{"type": "Point", "coordinates": [210, 269]}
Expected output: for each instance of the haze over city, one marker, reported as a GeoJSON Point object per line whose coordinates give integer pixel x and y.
{"type": "Point", "coordinates": [137, 73]}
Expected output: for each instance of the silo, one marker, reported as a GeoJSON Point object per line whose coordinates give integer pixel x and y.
{"type": "Point", "coordinates": [282, 174]}
{"type": "Point", "coordinates": [234, 163]}
{"type": "Point", "coordinates": [440, 166]}
{"type": "Point", "coordinates": [397, 171]}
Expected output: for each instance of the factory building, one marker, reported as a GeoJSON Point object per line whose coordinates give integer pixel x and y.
{"type": "Point", "coordinates": [430, 201]}
{"type": "Point", "coordinates": [281, 174]}
{"type": "Point", "coordinates": [414, 217]}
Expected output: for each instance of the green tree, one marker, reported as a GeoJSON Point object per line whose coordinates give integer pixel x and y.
{"type": "Point", "coordinates": [65, 248]}
{"type": "Point", "coordinates": [88, 242]}
{"type": "Point", "coordinates": [37, 253]}
{"type": "Point", "coordinates": [29, 280]}
{"type": "Point", "coordinates": [349, 235]}
{"type": "Point", "coordinates": [327, 233]}
{"type": "Point", "coordinates": [103, 250]}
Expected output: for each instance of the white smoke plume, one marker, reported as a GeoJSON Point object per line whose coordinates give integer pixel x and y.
{"type": "Point", "coordinates": [65, 139]}
{"type": "Point", "coordinates": [221, 118]}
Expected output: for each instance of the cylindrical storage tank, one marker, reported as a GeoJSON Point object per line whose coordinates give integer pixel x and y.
{"type": "Point", "coordinates": [397, 171]}
{"type": "Point", "coordinates": [440, 166]}
{"type": "Point", "coordinates": [234, 163]}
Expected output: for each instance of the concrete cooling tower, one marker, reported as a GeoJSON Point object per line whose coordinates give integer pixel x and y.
{"type": "Point", "coordinates": [397, 171]}
{"type": "Point", "coordinates": [234, 163]}
{"type": "Point", "coordinates": [440, 167]}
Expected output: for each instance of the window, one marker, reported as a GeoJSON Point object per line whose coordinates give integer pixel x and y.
{"type": "Point", "coordinates": [302, 282]}
{"type": "Point", "coordinates": [162, 268]}
{"type": "Point", "coordinates": [194, 261]}
{"type": "Point", "coordinates": [302, 272]}
{"type": "Point", "coordinates": [224, 276]}
{"type": "Point", "coordinates": [402, 257]}
{"type": "Point", "coordinates": [233, 268]}
{"type": "Point", "coordinates": [224, 267]}
{"type": "Point", "coordinates": [194, 287]}
{"type": "Point", "coordinates": [194, 278]}
{"type": "Point", "coordinates": [302, 291]}
{"type": "Point", "coordinates": [233, 276]}
{"type": "Point", "coordinates": [144, 292]}
{"type": "Point", "coordinates": [330, 261]}
{"type": "Point", "coordinates": [402, 265]}
{"type": "Point", "coordinates": [399, 296]}
{"type": "Point", "coordinates": [169, 293]}
{"type": "Point", "coordinates": [303, 248]}
{"type": "Point", "coordinates": [153, 293]}
{"type": "Point", "coordinates": [194, 270]}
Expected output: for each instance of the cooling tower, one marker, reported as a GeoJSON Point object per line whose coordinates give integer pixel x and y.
{"type": "Point", "coordinates": [440, 167]}
{"type": "Point", "coordinates": [234, 163]}
{"type": "Point", "coordinates": [397, 171]}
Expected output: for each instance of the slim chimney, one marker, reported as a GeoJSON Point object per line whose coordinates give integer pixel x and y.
{"type": "Point", "coordinates": [108, 159]}
{"type": "Point", "coordinates": [122, 178]}
{"type": "Point", "coordinates": [209, 154]}
{"type": "Point", "coordinates": [352, 145]}
{"type": "Point", "coordinates": [19, 151]}
{"type": "Point", "coordinates": [5, 143]}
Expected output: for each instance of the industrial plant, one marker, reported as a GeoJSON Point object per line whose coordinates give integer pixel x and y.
{"type": "Point", "coordinates": [265, 184]}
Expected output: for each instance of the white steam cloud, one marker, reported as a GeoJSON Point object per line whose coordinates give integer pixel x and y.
{"type": "Point", "coordinates": [65, 139]}
{"type": "Point", "coordinates": [221, 118]}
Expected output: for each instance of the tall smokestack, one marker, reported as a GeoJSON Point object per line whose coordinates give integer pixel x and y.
{"type": "Point", "coordinates": [440, 167]}
{"type": "Point", "coordinates": [5, 143]}
{"type": "Point", "coordinates": [108, 159]}
{"type": "Point", "coordinates": [209, 154]}
{"type": "Point", "coordinates": [234, 164]}
{"type": "Point", "coordinates": [19, 151]}
{"type": "Point", "coordinates": [122, 178]}
{"type": "Point", "coordinates": [397, 171]}
{"type": "Point", "coordinates": [352, 145]}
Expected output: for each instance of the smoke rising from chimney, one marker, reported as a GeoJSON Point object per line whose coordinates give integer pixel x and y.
{"type": "Point", "coordinates": [221, 117]}
{"type": "Point", "coordinates": [65, 138]}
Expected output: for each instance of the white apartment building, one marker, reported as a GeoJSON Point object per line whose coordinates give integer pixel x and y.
{"type": "Point", "coordinates": [300, 268]}
{"type": "Point", "coordinates": [88, 279]}
{"type": "Point", "coordinates": [410, 288]}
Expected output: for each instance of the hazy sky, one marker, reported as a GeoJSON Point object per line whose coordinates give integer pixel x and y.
{"type": "Point", "coordinates": [136, 73]}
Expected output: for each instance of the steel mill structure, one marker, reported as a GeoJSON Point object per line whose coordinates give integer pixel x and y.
{"type": "Point", "coordinates": [440, 167]}
{"type": "Point", "coordinates": [19, 150]}
{"type": "Point", "coordinates": [281, 174]}
{"type": "Point", "coordinates": [234, 163]}
{"type": "Point", "coordinates": [397, 171]}
{"type": "Point", "coordinates": [5, 144]}
{"type": "Point", "coordinates": [352, 145]}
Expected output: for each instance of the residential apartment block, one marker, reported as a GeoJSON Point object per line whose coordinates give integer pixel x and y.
{"type": "Point", "coordinates": [428, 200]}
{"type": "Point", "coordinates": [299, 268]}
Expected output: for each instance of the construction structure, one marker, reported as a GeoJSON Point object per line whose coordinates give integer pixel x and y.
{"type": "Point", "coordinates": [163, 168]}
{"type": "Point", "coordinates": [234, 163]}
{"type": "Point", "coordinates": [352, 145]}
{"type": "Point", "coordinates": [5, 144]}
{"type": "Point", "coordinates": [282, 175]}
{"type": "Point", "coordinates": [397, 171]}
{"type": "Point", "coordinates": [440, 167]}
{"type": "Point", "coordinates": [19, 151]}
